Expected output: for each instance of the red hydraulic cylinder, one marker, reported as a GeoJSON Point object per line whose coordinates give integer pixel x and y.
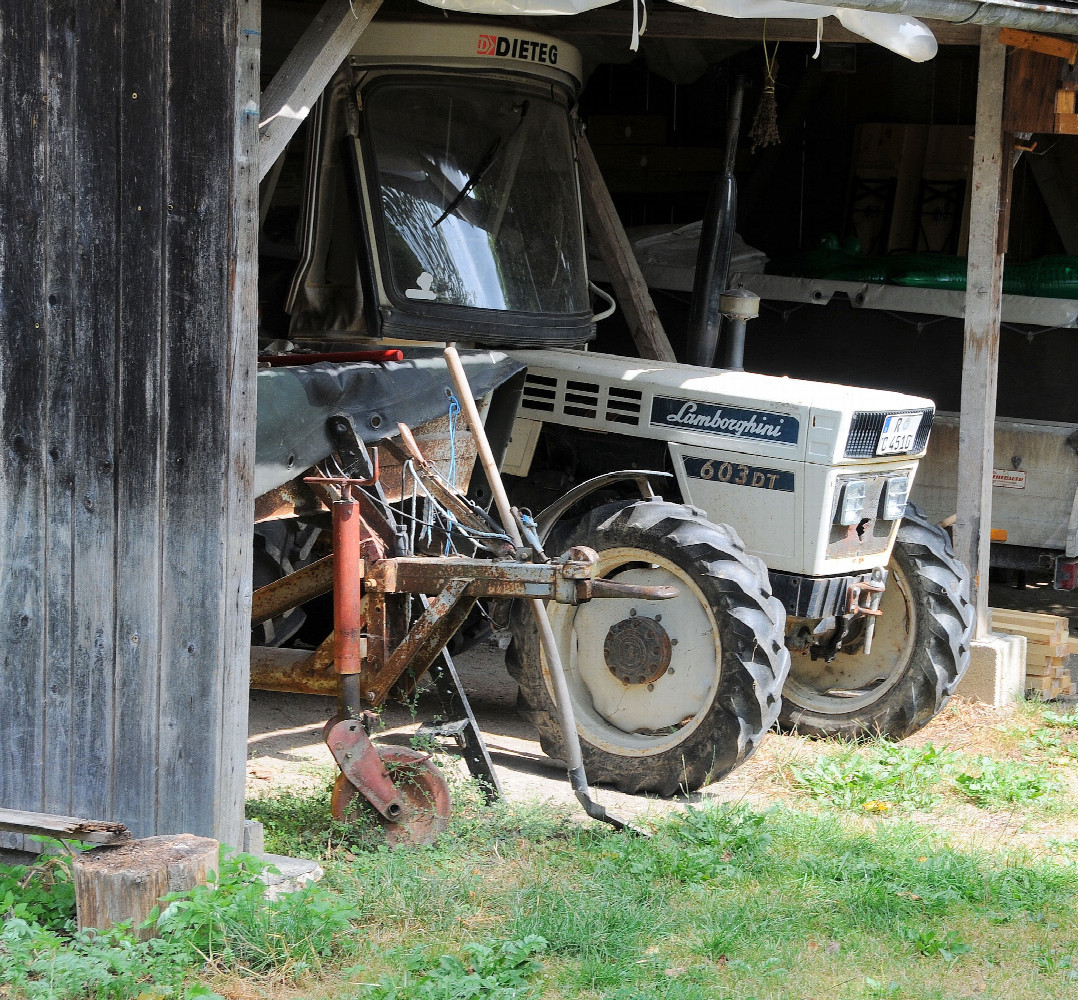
{"type": "Point", "coordinates": [347, 587]}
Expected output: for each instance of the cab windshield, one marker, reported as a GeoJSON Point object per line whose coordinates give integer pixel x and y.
{"type": "Point", "coordinates": [478, 195]}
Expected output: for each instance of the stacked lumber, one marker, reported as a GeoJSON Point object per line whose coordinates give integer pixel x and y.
{"type": "Point", "coordinates": [1048, 647]}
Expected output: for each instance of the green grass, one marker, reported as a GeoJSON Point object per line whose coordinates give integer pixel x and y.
{"type": "Point", "coordinates": [720, 901]}
{"type": "Point", "coordinates": [853, 887]}
{"type": "Point", "coordinates": [876, 777]}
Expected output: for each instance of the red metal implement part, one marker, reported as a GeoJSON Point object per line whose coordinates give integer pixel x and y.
{"type": "Point", "coordinates": [288, 360]}
{"type": "Point", "coordinates": [347, 572]}
{"type": "Point", "coordinates": [362, 766]}
{"type": "Point", "coordinates": [421, 785]}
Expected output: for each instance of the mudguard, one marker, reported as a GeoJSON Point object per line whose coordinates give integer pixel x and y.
{"type": "Point", "coordinates": [295, 402]}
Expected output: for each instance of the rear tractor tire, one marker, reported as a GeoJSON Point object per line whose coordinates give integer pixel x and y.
{"type": "Point", "coordinates": [920, 649]}
{"type": "Point", "coordinates": [668, 695]}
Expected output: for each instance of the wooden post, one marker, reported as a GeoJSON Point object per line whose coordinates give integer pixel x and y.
{"type": "Point", "coordinates": [128, 157]}
{"type": "Point", "coordinates": [980, 357]}
{"type": "Point", "coordinates": [630, 288]}
{"type": "Point", "coordinates": [117, 884]}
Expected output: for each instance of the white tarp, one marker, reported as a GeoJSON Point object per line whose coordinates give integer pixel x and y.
{"type": "Point", "coordinates": [901, 34]}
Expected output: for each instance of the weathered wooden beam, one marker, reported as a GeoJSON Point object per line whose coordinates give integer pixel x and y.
{"type": "Point", "coordinates": [1030, 92]}
{"type": "Point", "coordinates": [683, 23]}
{"type": "Point", "coordinates": [1049, 45]}
{"type": "Point", "coordinates": [980, 356]}
{"type": "Point", "coordinates": [291, 94]}
{"type": "Point", "coordinates": [616, 251]}
{"type": "Point", "coordinates": [89, 831]}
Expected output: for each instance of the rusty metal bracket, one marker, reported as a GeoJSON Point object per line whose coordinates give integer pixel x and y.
{"type": "Point", "coordinates": [431, 631]}
{"type": "Point", "coordinates": [360, 763]}
{"type": "Point", "coordinates": [853, 598]}
{"type": "Point", "coordinates": [291, 591]}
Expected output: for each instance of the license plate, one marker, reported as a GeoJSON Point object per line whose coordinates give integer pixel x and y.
{"type": "Point", "coordinates": [898, 434]}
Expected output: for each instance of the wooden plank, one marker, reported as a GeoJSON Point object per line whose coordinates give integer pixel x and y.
{"type": "Point", "coordinates": [59, 748]}
{"type": "Point", "coordinates": [1061, 48]}
{"type": "Point", "coordinates": [1045, 632]}
{"type": "Point", "coordinates": [1029, 104]}
{"type": "Point", "coordinates": [138, 399]}
{"type": "Point", "coordinates": [23, 387]}
{"type": "Point", "coordinates": [1066, 124]}
{"type": "Point", "coordinates": [1065, 102]}
{"type": "Point", "coordinates": [1045, 627]}
{"type": "Point", "coordinates": [200, 763]}
{"type": "Point", "coordinates": [630, 288]}
{"type": "Point", "coordinates": [197, 166]}
{"type": "Point", "coordinates": [298, 83]}
{"type": "Point", "coordinates": [93, 415]}
{"type": "Point", "coordinates": [88, 831]}
{"type": "Point", "coordinates": [980, 357]}
{"type": "Point", "coordinates": [1044, 670]}
{"type": "Point", "coordinates": [1031, 617]}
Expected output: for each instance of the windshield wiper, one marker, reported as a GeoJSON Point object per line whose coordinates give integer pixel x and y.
{"type": "Point", "coordinates": [489, 158]}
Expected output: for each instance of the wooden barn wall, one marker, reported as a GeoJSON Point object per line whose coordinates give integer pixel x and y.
{"type": "Point", "coordinates": [128, 207]}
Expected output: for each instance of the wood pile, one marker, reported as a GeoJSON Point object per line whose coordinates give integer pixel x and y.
{"type": "Point", "coordinates": [1048, 648]}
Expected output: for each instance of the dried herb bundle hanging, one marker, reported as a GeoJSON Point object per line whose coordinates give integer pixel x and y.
{"type": "Point", "coordinates": [765, 123]}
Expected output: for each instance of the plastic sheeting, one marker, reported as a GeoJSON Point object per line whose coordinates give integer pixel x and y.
{"type": "Point", "coordinates": [900, 33]}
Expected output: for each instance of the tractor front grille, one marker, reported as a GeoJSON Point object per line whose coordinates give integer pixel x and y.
{"type": "Point", "coordinates": [866, 426]}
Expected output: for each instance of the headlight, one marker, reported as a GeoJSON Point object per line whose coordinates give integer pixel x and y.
{"type": "Point", "coordinates": [895, 493]}
{"type": "Point", "coordinates": [852, 504]}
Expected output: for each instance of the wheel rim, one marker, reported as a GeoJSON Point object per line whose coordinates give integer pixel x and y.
{"type": "Point", "coordinates": [608, 643]}
{"type": "Point", "coordinates": [421, 785]}
{"type": "Point", "coordinates": [853, 681]}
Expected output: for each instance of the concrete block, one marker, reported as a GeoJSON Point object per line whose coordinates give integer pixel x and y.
{"type": "Point", "coordinates": [254, 838]}
{"type": "Point", "coordinates": [291, 874]}
{"type": "Point", "coordinates": [997, 670]}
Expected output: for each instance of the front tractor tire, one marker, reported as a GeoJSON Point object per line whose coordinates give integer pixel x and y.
{"type": "Point", "coordinates": [668, 695]}
{"type": "Point", "coordinates": [919, 653]}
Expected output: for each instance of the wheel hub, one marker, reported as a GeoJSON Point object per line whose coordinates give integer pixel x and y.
{"type": "Point", "coordinates": [637, 650]}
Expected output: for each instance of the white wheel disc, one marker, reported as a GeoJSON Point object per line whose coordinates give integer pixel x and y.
{"type": "Point", "coordinates": [636, 719]}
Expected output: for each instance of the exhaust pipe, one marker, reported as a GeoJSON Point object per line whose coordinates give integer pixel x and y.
{"type": "Point", "coordinates": [716, 240]}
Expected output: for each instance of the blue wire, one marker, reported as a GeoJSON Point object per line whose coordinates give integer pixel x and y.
{"type": "Point", "coordinates": [454, 412]}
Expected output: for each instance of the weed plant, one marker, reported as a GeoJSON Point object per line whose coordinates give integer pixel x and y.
{"type": "Point", "coordinates": [884, 777]}
{"type": "Point", "coordinates": [995, 783]}
{"type": "Point", "coordinates": [227, 924]}
{"type": "Point", "coordinates": [875, 778]}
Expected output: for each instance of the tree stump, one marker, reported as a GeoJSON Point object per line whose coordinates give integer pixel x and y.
{"type": "Point", "coordinates": [114, 884]}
